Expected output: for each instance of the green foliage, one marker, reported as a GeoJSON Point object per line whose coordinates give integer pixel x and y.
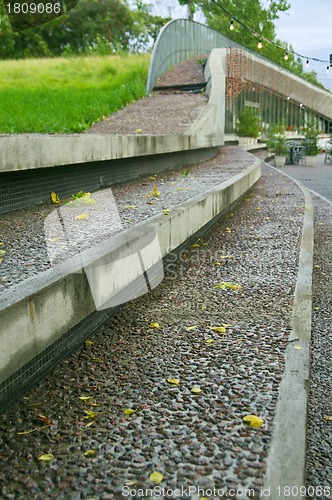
{"type": "Point", "coordinates": [248, 125]}
{"type": "Point", "coordinates": [260, 16]}
{"type": "Point", "coordinates": [276, 140]}
{"type": "Point", "coordinates": [92, 27]}
{"type": "Point", "coordinates": [311, 138]}
{"type": "Point", "coordinates": [67, 95]}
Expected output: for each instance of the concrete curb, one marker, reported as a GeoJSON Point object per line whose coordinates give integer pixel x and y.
{"type": "Point", "coordinates": [43, 308]}
{"type": "Point", "coordinates": [285, 472]}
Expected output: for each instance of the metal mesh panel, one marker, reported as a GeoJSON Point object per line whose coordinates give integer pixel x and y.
{"type": "Point", "coordinates": [21, 189]}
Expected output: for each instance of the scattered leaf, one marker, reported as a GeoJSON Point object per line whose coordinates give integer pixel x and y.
{"type": "Point", "coordinates": [130, 206]}
{"type": "Point", "coordinates": [217, 264]}
{"type": "Point", "coordinates": [54, 240]}
{"type": "Point", "coordinates": [226, 257]}
{"type": "Point", "coordinates": [1, 261]}
{"type": "Point", "coordinates": [228, 284]}
{"type": "Point", "coordinates": [82, 216]}
{"type": "Point", "coordinates": [297, 347]}
{"type": "Point", "coordinates": [33, 430]}
{"type": "Point", "coordinates": [151, 202]}
{"type": "Point", "coordinates": [327, 418]}
{"type": "Point", "coordinates": [89, 343]}
{"type": "Point", "coordinates": [219, 329]}
{"type": "Point", "coordinates": [44, 419]}
{"type": "Point", "coordinates": [85, 398]}
{"type": "Point", "coordinates": [3, 252]}
{"type": "Point", "coordinates": [129, 411]}
{"type": "Point", "coordinates": [46, 458]}
{"type": "Point", "coordinates": [152, 178]}
{"type": "Point", "coordinates": [228, 230]}
{"type": "Point", "coordinates": [154, 324]}
{"type": "Point", "coordinates": [90, 453]}
{"type": "Point", "coordinates": [90, 414]}
{"type": "Point", "coordinates": [138, 131]}
{"type": "Point", "coordinates": [253, 421]}
{"type": "Point", "coordinates": [155, 191]}
{"type": "Point", "coordinates": [1, 243]}
{"type": "Point", "coordinates": [166, 211]}
{"type": "Point", "coordinates": [156, 477]}
{"type": "Point", "coordinates": [195, 245]}
{"type": "Point", "coordinates": [209, 341]}
{"type": "Point", "coordinates": [189, 328]}
{"type": "Point", "coordinates": [55, 198]}
{"type": "Point", "coordinates": [196, 390]}
{"type": "Point", "coordinates": [174, 381]}
{"type": "Point", "coordinates": [90, 423]}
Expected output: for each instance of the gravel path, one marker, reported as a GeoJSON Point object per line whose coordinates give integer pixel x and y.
{"type": "Point", "coordinates": [23, 234]}
{"type": "Point", "coordinates": [319, 465]}
{"type": "Point", "coordinates": [197, 440]}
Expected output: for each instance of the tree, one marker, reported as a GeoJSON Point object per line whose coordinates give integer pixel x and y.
{"type": "Point", "coordinates": [191, 7]}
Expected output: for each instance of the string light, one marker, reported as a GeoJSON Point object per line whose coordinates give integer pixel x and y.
{"type": "Point", "coordinates": [260, 44]}
{"type": "Point", "coordinates": [328, 69]}
{"type": "Point", "coordinates": [307, 63]}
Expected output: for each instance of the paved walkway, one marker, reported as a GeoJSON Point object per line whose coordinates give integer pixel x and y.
{"type": "Point", "coordinates": [318, 178]}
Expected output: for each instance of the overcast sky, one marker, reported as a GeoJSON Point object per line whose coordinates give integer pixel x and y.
{"type": "Point", "coordinates": [307, 26]}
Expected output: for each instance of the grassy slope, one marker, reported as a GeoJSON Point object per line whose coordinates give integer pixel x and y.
{"type": "Point", "coordinates": [67, 95]}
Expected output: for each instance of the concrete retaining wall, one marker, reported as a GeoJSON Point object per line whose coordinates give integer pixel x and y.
{"type": "Point", "coordinates": [44, 308]}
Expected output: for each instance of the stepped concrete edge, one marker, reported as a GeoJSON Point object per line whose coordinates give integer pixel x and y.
{"type": "Point", "coordinates": [43, 308]}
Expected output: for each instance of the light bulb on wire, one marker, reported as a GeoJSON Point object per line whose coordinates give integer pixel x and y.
{"type": "Point", "coordinates": [328, 69]}
{"type": "Point", "coordinates": [286, 56]}
{"type": "Point", "coordinates": [307, 63]}
{"type": "Point", "coordinates": [231, 26]}
{"type": "Point", "coordinates": [260, 45]}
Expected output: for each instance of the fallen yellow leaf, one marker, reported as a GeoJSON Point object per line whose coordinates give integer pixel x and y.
{"type": "Point", "coordinates": [297, 347]}
{"type": "Point", "coordinates": [81, 216]}
{"type": "Point", "coordinates": [3, 252]}
{"type": "Point", "coordinates": [129, 411]}
{"type": "Point", "coordinates": [217, 264]}
{"type": "Point", "coordinates": [138, 130]}
{"type": "Point", "coordinates": [154, 324]}
{"type": "Point", "coordinates": [89, 343]}
{"type": "Point", "coordinates": [219, 329]}
{"type": "Point", "coordinates": [189, 328]}
{"type": "Point", "coordinates": [33, 430]}
{"type": "Point", "coordinates": [253, 421]}
{"type": "Point", "coordinates": [55, 198]}
{"type": "Point", "coordinates": [174, 381]}
{"type": "Point", "coordinates": [46, 458]}
{"type": "Point", "coordinates": [54, 240]}
{"type": "Point", "coordinates": [151, 202]}
{"type": "Point", "coordinates": [130, 206]}
{"type": "Point", "coordinates": [228, 284]}
{"type": "Point", "coordinates": [209, 341]}
{"type": "Point", "coordinates": [228, 230]}
{"type": "Point", "coordinates": [90, 453]}
{"type": "Point", "coordinates": [90, 414]}
{"type": "Point", "coordinates": [196, 390]}
{"type": "Point", "coordinates": [1, 243]}
{"type": "Point", "coordinates": [226, 257]}
{"type": "Point", "coordinates": [327, 418]}
{"type": "Point", "coordinates": [166, 211]}
{"type": "Point", "coordinates": [155, 191]}
{"type": "Point", "coordinates": [156, 477]}
{"type": "Point", "coordinates": [85, 398]}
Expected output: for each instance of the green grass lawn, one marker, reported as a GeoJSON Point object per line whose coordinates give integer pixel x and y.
{"type": "Point", "coordinates": [64, 95]}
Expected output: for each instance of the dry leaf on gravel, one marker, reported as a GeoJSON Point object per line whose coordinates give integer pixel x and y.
{"type": "Point", "coordinates": [129, 411]}
{"type": "Point", "coordinates": [156, 477]}
{"type": "Point", "coordinates": [82, 216]}
{"type": "Point", "coordinates": [253, 421]}
{"type": "Point", "coordinates": [196, 390]}
{"type": "Point", "coordinates": [90, 453]}
{"type": "Point", "coordinates": [46, 458]}
{"type": "Point", "coordinates": [154, 324]}
{"type": "Point", "coordinates": [55, 198]}
{"type": "Point", "coordinates": [218, 329]}
{"type": "Point", "coordinates": [174, 381]}
{"type": "Point", "coordinates": [228, 284]}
